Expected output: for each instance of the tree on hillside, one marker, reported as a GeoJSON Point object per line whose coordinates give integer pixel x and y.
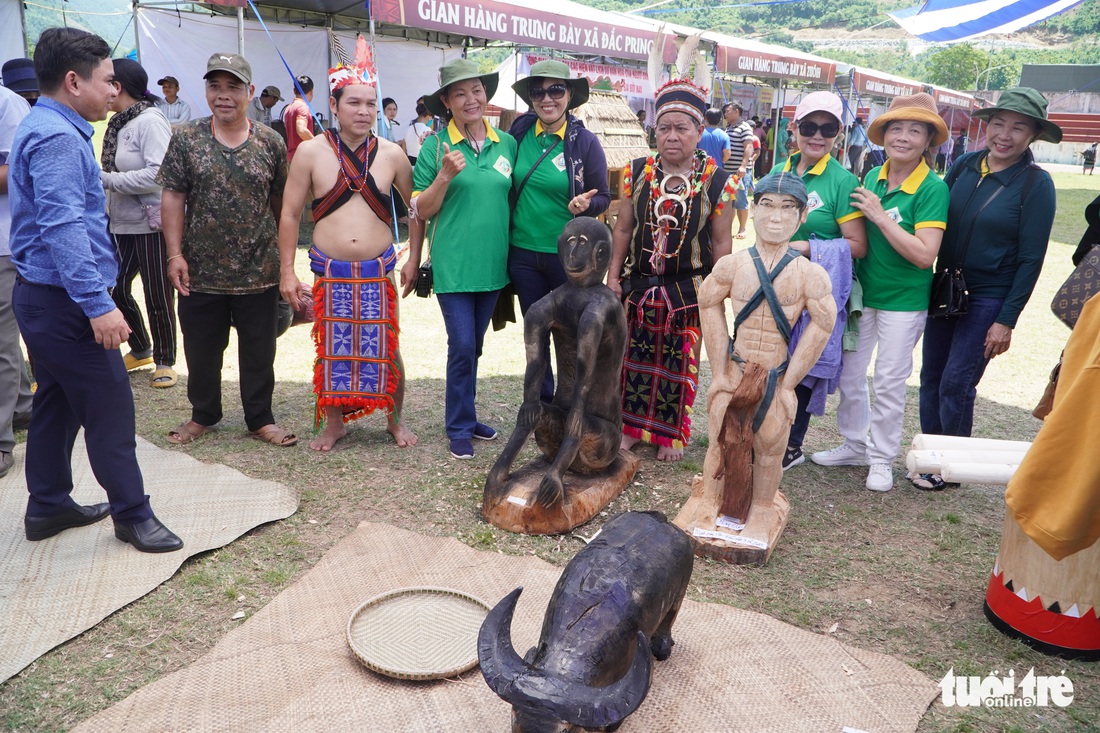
{"type": "Point", "coordinates": [956, 67]}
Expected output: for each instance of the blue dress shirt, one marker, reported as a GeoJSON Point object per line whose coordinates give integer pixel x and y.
{"type": "Point", "coordinates": [59, 216]}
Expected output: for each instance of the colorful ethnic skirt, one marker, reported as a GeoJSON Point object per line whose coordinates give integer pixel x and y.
{"type": "Point", "coordinates": [355, 332]}
{"type": "Point", "coordinates": [660, 373]}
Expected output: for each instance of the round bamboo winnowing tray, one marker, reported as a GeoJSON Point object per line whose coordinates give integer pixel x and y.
{"type": "Point", "coordinates": [417, 633]}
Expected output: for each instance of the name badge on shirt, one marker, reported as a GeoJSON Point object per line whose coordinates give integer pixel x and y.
{"type": "Point", "coordinates": [503, 166]}
{"type": "Point", "coordinates": [813, 202]}
{"type": "Point", "coordinates": [895, 215]}
{"type": "Point", "coordinates": [559, 161]}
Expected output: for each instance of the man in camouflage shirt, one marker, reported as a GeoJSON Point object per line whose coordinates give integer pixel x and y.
{"type": "Point", "coordinates": [227, 174]}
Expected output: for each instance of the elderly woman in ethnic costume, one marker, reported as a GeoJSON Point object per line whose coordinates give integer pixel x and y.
{"type": "Point", "coordinates": [561, 173]}
{"type": "Point", "coordinates": [674, 224]}
{"type": "Point", "coordinates": [998, 226]}
{"type": "Point", "coordinates": [832, 235]}
{"type": "Point", "coordinates": [905, 205]}
{"type": "Point", "coordinates": [461, 183]}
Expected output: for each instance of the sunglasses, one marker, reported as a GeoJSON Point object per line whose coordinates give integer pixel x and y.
{"type": "Point", "coordinates": [555, 91]}
{"type": "Point", "coordinates": [809, 129]}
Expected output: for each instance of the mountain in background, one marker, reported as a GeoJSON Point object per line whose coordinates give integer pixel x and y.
{"type": "Point", "coordinates": [109, 19]}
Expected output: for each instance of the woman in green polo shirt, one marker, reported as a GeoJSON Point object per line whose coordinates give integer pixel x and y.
{"type": "Point", "coordinates": [905, 204]}
{"type": "Point", "coordinates": [561, 172]}
{"type": "Point", "coordinates": [831, 236]}
{"type": "Point", "coordinates": [460, 185]}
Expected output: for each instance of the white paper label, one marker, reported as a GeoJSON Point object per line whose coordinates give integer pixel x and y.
{"type": "Point", "coordinates": [559, 161]}
{"type": "Point", "coordinates": [503, 166]}
{"type": "Point", "coordinates": [731, 538]}
{"type": "Point", "coordinates": [517, 500]}
{"type": "Point", "coordinates": [730, 523]}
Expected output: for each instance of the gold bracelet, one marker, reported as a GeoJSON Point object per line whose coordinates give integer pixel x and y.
{"type": "Point", "coordinates": [173, 257]}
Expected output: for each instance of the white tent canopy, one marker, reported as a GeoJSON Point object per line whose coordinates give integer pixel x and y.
{"type": "Point", "coordinates": [180, 43]}
{"type": "Point", "coordinates": [12, 45]}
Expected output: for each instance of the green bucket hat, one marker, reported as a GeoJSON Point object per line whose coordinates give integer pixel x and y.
{"type": "Point", "coordinates": [551, 69]}
{"type": "Point", "coordinates": [1029, 103]}
{"type": "Point", "coordinates": [456, 71]}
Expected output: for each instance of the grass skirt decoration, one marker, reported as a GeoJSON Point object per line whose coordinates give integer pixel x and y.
{"type": "Point", "coordinates": [356, 335]}
{"type": "Point", "coordinates": [660, 374]}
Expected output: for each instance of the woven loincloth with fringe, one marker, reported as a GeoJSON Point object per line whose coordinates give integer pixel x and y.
{"type": "Point", "coordinates": [660, 374]}
{"type": "Point", "coordinates": [355, 333]}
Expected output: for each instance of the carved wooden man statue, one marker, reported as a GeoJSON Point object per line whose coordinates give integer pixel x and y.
{"type": "Point", "coordinates": [751, 401]}
{"type": "Point", "coordinates": [580, 430]}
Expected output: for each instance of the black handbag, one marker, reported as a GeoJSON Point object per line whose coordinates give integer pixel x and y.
{"type": "Point", "coordinates": [424, 280]}
{"type": "Point", "coordinates": [949, 297]}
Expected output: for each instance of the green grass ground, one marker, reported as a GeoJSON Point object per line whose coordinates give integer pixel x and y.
{"type": "Point", "coordinates": [902, 573]}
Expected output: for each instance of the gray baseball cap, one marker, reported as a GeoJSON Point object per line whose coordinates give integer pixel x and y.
{"type": "Point", "coordinates": [272, 91]}
{"type": "Point", "coordinates": [232, 63]}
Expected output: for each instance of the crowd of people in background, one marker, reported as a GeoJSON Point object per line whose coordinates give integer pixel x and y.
{"type": "Point", "coordinates": [213, 208]}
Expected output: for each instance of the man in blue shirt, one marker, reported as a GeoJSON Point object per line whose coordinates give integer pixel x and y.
{"type": "Point", "coordinates": [715, 142]}
{"type": "Point", "coordinates": [65, 266]}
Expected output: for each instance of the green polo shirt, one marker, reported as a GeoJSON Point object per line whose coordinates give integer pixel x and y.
{"type": "Point", "coordinates": [542, 210]}
{"type": "Point", "coordinates": [891, 282]}
{"type": "Point", "coordinates": [829, 189]}
{"type": "Point", "coordinates": [469, 235]}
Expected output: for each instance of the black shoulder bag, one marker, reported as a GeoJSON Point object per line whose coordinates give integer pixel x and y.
{"type": "Point", "coordinates": [950, 298]}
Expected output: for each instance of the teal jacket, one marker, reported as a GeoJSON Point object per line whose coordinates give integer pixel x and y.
{"type": "Point", "coordinates": [1008, 239]}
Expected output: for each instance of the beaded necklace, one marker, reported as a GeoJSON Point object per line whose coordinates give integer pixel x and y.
{"type": "Point", "coordinates": [671, 198]}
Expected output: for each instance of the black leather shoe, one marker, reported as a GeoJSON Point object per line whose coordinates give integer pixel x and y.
{"type": "Point", "coordinates": [39, 528]}
{"type": "Point", "coordinates": [148, 536]}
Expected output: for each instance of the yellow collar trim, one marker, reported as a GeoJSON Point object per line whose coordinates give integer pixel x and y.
{"type": "Point", "coordinates": [457, 137]}
{"type": "Point", "coordinates": [913, 181]}
{"type": "Point", "coordinates": [985, 167]}
{"type": "Point", "coordinates": [817, 170]}
{"type": "Point", "coordinates": [539, 129]}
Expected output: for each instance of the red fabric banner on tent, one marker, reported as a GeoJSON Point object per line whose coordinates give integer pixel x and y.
{"type": "Point", "coordinates": [761, 64]}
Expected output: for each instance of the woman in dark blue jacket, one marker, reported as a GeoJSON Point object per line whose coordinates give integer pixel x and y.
{"type": "Point", "coordinates": [560, 173]}
{"type": "Point", "coordinates": [998, 225]}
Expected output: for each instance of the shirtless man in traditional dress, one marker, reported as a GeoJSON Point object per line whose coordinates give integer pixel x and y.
{"type": "Point", "coordinates": [779, 208]}
{"type": "Point", "coordinates": [350, 172]}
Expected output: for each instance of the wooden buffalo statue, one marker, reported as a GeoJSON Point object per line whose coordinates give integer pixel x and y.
{"type": "Point", "coordinates": [612, 608]}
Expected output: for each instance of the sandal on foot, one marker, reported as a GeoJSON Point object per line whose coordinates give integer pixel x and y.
{"type": "Point", "coordinates": [275, 435]}
{"type": "Point", "coordinates": [164, 378]}
{"type": "Point", "coordinates": [186, 432]}
{"type": "Point", "coordinates": [928, 481]}
{"type": "Point", "coordinates": [132, 361]}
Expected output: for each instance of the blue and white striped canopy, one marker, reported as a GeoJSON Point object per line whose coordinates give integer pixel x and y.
{"type": "Point", "coordinates": [947, 21]}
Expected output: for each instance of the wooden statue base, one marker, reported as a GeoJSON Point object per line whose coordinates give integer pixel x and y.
{"type": "Point", "coordinates": [752, 545]}
{"type": "Point", "coordinates": [585, 496]}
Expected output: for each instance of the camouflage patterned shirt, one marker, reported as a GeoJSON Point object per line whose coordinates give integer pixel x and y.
{"type": "Point", "coordinates": [229, 234]}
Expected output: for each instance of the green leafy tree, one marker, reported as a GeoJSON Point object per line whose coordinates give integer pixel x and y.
{"type": "Point", "coordinates": [956, 67]}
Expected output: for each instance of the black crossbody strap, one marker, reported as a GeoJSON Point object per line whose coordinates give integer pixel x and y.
{"type": "Point", "coordinates": [542, 157]}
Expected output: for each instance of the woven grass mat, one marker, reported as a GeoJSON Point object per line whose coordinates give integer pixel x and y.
{"type": "Point", "coordinates": [288, 667]}
{"type": "Point", "coordinates": [54, 589]}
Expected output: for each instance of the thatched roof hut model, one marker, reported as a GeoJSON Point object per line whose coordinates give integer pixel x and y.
{"type": "Point", "coordinates": [610, 118]}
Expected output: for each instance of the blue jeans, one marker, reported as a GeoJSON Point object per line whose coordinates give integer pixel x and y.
{"type": "Point", "coordinates": [535, 274]}
{"type": "Point", "coordinates": [953, 364]}
{"type": "Point", "coordinates": [466, 317]}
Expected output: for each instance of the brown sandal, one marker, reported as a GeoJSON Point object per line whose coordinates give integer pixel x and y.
{"type": "Point", "coordinates": [275, 435]}
{"type": "Point", "coordinates": [185, 433]}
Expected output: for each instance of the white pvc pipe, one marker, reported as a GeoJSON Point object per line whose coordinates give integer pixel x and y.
{"type": "Point", "coordinates": [925, 441]}
{"type": "Point", "coordinates": [979, 473]}
{"type": "Point", "coordinates": [933, 461]}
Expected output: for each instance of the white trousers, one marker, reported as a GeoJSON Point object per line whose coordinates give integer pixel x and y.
{"type": "Point", "coordinates": [878, 432]}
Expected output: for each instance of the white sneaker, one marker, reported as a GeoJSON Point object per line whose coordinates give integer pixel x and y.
{"type": "Point", "coordinates": [843, 455]}
{"type": "Point", "coordinates": [880, 477]}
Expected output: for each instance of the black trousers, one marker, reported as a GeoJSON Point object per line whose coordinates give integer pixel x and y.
{"type": "Point", "coordinates": [205, 319]}
{"type": "Point", "coordinates": [145, 253]}
{"type": "Point", "coordinates": [80, 383]}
